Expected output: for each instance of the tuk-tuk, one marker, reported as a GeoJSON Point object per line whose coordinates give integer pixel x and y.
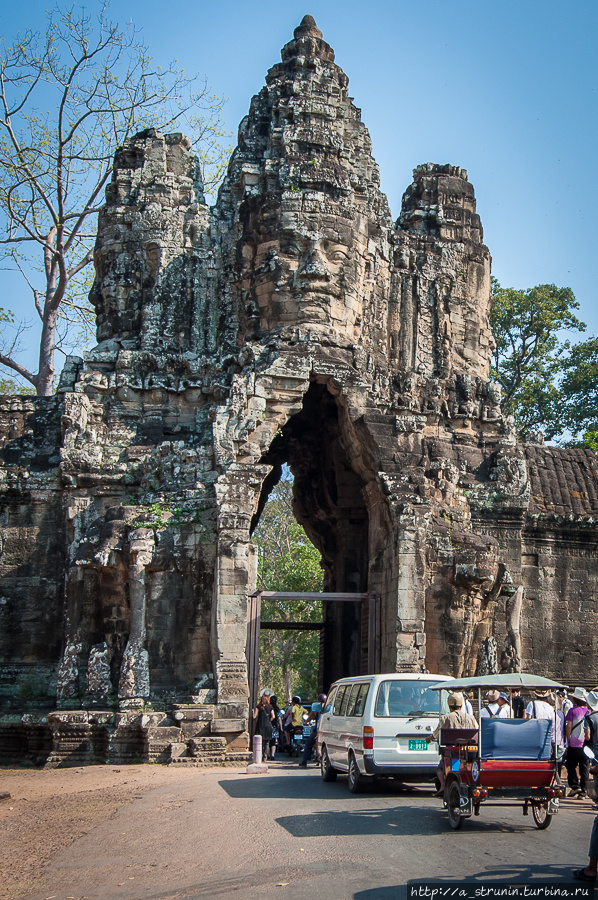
{"type": "Point", "coordinates": [506, 762]}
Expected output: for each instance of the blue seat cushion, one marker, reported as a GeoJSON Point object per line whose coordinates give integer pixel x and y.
{"type": "Point", "coordinates": [516, 738]}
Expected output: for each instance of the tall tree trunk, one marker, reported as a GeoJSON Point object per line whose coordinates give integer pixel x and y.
{"type": "Point", "coordinates": [45, 378]}
{"type": "Point", "coordinates": [286, 674]}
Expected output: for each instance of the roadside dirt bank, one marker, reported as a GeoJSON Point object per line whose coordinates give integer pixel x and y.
{"type": "Point", "coordinates": [49, 809]}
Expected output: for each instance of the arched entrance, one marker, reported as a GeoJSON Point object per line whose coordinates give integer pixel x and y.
{"type": "Point", "coordinates": [332, 496]}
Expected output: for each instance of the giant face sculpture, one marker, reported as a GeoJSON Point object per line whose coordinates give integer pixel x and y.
{"type": "Point", "coordinates": [306, 270]}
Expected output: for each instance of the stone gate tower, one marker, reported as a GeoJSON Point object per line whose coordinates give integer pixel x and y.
{"type": "Point", "coordinates": [292, 323]}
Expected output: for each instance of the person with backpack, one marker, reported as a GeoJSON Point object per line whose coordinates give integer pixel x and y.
{"type": "Point", "coordinates": [490, 710]}
{"type": "Point", "coordinates": [541, 708]}
{"type": "Point", "coordinates": [497, 707]}
{"type": "Point", "coordinates": [577, 732]}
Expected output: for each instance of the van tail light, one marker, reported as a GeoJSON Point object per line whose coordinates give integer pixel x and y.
{"type": "Point", "coordinates": [368, 738]}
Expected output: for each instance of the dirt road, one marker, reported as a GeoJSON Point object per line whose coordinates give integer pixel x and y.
{"type": "Point", "coordinates": [155, 833]}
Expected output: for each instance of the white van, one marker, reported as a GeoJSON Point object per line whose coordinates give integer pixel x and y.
{"type": "Point", "coordinates": [377, 725]}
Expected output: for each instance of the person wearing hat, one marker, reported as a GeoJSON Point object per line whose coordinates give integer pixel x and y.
{"type": "Point", "coordinates": [541, 708]}
{"type": "Point", "coordinates": [577, 733]}
{"type": "Point", "coordinates": [497, 706]}
{"type": "Point", "coordinates": [504, 707]}
{"type": "Point", "coordinates": [455, 718]}
{"type": "Point", "coordinates": [563, 701]}
{"type": "Point", "coordinates": [492, 707]}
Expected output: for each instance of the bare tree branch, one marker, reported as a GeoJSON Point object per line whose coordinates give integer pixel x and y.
{"type": "Point", "coordinates": [16, 367]}
{"type": "Point", "coordinates": [54, 166]}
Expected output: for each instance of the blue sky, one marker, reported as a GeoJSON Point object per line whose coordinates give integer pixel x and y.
{"type": "Point", "coordinates": [506, 90]}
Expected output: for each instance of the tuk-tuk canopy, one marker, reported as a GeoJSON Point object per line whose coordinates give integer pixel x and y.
{"type": "Point", "coordinates": [516, 680]}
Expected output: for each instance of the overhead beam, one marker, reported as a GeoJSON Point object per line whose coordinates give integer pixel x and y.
{"type": "Point", "coordinates": [282, 595]}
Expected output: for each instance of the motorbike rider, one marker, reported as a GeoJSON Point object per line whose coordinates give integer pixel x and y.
{"type": "Point", "coordinates": [316, 709]}
{"type": "Point", "coordinates": [455, 718]}
{"type": "Point", "coordinates": [293, 717]}
{"type": "Point", "coordinates": [297, 713]}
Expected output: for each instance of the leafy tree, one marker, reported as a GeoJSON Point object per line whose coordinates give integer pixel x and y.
{"type": "Point", "coordinates": [287, 561]}
{"type": "Point", "coordinates": [579, 390]}
{"type": "Point", "coordinates": [528, 358]}
{"type": "Point", "coordinates": [68, 98]}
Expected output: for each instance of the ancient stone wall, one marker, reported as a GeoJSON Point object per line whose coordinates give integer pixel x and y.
{"type": "Point", "coordinates": [292, 323]}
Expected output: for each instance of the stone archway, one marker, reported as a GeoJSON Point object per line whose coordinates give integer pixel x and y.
{"type": "Point", "coordinates": [331, 501]}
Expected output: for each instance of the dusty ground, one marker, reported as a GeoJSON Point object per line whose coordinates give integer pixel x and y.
{"type": "Point", "coordinates": [49, 809]}
{"type": "Point", "coordinates": [158, 833]}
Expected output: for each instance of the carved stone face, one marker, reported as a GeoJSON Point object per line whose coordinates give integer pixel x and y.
{"type": "Point", "coordinates": [311, 273]}
{"type": "Point", "coordinates": [314, 263]}
{"type": "Point", "coordinates": [494, 393]}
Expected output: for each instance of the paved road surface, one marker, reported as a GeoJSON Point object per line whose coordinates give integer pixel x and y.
{"type": "Point", "coordinates": [288, 835]}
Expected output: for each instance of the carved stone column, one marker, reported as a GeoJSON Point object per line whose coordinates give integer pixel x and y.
{"type": "Point", "coordinates": [411, 638]}
{"type": "Point", "coordinates": [134, 674]}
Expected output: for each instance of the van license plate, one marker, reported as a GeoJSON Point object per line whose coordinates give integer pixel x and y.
{"type": "Point", "coordinates": [418, 745]}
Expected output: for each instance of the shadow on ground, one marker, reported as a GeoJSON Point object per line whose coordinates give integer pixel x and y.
{"type": "Point", "coordinates": [402, 819]}
{"type": "Point", "coordinates": [309, 786]}
{"type": "Point", "coordinates": [394, 821]}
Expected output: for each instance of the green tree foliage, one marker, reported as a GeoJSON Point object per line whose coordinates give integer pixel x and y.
{"type": "Point", "coordinates": [68, 98]}
{"type": "Point", "coordinates": [530, 352]}
{"type": "Point", "coordinates": [287, 561]}
{"type": "Point", "coordinates": [579, 389]}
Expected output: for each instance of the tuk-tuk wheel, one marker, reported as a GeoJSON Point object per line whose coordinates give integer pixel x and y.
{"type": "Point", "coordinates": [453, 805]}
{"type": "Point", "coordinates": [542, 817]}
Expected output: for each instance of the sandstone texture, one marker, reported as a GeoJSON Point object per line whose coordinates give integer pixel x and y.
{"type": "Point", "coordinates": [296, 323]}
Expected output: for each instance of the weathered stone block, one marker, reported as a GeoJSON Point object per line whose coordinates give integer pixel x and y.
{"type": "Point", "coordinates": [227, 726]}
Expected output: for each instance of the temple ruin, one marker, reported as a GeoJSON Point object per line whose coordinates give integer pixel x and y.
{"type": "Point", "coordinates": [294, 322]}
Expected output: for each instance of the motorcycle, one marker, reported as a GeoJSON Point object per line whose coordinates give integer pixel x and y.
{"type": "Point", "coordinates": [299, 737]}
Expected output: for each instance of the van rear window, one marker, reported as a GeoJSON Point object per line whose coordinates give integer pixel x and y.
{"type": "Point", "coordinates": [407, 698]}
